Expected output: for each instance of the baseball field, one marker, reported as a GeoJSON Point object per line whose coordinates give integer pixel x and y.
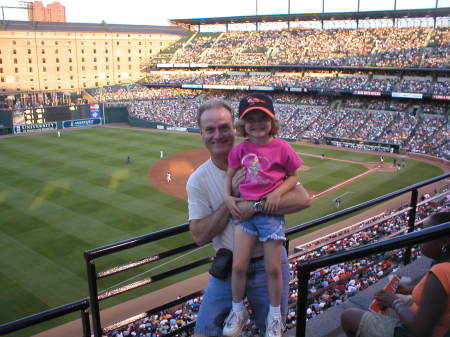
{"type": "Point", "coordinates": [60, 196]}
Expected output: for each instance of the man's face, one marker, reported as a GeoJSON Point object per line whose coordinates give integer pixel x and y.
{"type": "Point", "coordinates": [217, 131]}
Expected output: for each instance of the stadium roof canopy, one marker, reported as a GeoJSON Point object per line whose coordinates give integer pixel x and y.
{"type": "Point", "coordinates": [369, 15]}
{"type": "Point", "coordinates": [89, 27]}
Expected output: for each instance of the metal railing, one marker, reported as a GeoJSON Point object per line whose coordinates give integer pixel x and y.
{"type": "Point", "coordinates": [47, 315]}
{"type": "Point", "coordinates": [93, 275]}
{"type": "Point", "coordinates": [305, 268]}
{"type": "Point", "coordinates": [90, 255]}
{"type": "Point", "coordinates": [412, 213]}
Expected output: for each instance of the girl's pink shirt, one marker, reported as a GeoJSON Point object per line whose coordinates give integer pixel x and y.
{"type": "Point", "coordinates": [266, 166]}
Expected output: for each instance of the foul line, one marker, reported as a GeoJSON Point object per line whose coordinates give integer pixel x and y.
{"type": "Point", "coordinates": [342, 195]}
{"type": "Point", "coordinates": [335, 187]}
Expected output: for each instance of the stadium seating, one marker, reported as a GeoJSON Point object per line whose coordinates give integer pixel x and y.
{"type": "Point", "coordinates": [386, 122]}
{"type": "Point", "coordinates": [380, 47]}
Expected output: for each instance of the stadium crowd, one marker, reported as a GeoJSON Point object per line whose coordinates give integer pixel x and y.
{"type": "Point", "coordinates": [331, 81]}
{"type": "Point", "coordinates": [328, 286]}
{"type": "Point", "coordinates": [379, 47]}
{"type": "Point", "coordinates": [416, 127]}
{"type": "Point", "coordinates": [133, 92]}
{"type": "Point", "coordinates": [306, 117]}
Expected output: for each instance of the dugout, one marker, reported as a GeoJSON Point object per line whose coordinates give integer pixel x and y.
{"type": "Point", "coordinates": [362, 144]}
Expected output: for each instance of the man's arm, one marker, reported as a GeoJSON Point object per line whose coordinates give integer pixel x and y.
{"type": "Point", "coordinates": [295, 200]}
{"type": "Point", "coordinates": [292, 201]}
{"type": "Point", "coordinates": [272, 200]}
{"type": "Point", "coordinates": [203, 230]}
{"type": "Point", "coordinates": [230, 199]}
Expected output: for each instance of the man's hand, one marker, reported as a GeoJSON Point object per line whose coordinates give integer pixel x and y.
{"type": "Point", "coordinates": [232, 206]}
{"type": "Point", "coordinates": [238, 178]}
{"type": "Point", "coordinates": [272, 201]}
{"type": "Point", "coordinates": [247, 209]}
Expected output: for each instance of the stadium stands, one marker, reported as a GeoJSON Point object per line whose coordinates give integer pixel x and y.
{"type": "Point", "coordinates": [305, 80]}
{"type": "Point", "coordinates": [385, 121]}
{"type": "Point", "coordinates": [379, 47]}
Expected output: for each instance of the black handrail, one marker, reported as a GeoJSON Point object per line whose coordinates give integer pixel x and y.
{"type": "Point", "coordinates": [47, 315]}
{"type": "Point", "coordinates": [93, 276]}
{"type": "Point", "coordinates": [304, 268]}
{"type": "Point", "coordinates": [352, 209]}
{"type": "Point", "coordinates": [133, 242]}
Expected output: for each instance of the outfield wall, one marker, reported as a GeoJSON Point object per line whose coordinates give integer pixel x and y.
{"type": "Point", "coordinates": [116, 115]}
{"type": "Point", "coordinates": [435, 160]}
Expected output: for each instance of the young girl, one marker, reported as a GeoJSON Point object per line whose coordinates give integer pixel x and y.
{"type": "Point", "coordinates": [271, 170]}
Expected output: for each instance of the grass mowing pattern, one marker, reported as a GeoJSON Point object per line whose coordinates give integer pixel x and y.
{"type": "Point", "coordinates": [61, 196]}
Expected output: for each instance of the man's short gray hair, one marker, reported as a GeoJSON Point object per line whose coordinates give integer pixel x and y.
{"type": "Point", "coordinates": [211, 104]}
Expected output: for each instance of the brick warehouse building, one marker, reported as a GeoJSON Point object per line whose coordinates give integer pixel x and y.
{"type": "Point", "coordinates": [54, 12]}
{"type": "Point", "coordinates": [73, 56]}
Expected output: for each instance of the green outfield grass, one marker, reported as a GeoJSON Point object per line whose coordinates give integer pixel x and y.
{"type": "Point", "coordinates": [62, 196]}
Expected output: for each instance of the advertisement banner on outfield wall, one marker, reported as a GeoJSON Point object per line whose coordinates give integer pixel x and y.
{"type": "Point", "coordinates": [175, 128]}
{"type": "Point", "coordinates": [192, 86]}
{"type": "Point", "coordinates": [261, 88]}
{"type": "Point", "coordinates": [199, 65]}
{"type": "Point", "coordinates": [18, 117]}
{"type": "Point", "coordinates": [225, 87]}
{"type": "Point", "coordinates": [298, 89]}
{"type": "Point", "coordinates": [79, 123]}
{"type": "Point", "coordinates": [407, 95]}
{"type": "Point", "coordinates": [27, 128]}
{"type": "Point", "coordinates": [367, 93]}
{"type": "Point", "coordinates": [94, 110]}
{"type": "Point", "coordinates": [441, 97]}
{"type": "Point", "coordinates": [164, 65]}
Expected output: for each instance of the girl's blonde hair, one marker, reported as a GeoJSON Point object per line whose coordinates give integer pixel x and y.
{"type": "Point", "coordinates": [274, 130]}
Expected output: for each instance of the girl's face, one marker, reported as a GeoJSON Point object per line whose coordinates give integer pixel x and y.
{"type": "Point", "coordinates": [257, 126]}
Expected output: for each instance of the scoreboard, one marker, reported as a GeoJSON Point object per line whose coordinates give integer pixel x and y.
{"type": "Point", "coordinates": [56, 117]}
{"type": "Point", "coordinates": [51, 114]}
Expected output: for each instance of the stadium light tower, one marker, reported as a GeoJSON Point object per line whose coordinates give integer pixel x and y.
{"type": "Point", "coordinates": [289, 12]}
{"type": "Point", "coordinates": [256, 14]}
{"type": "Point", "coordinates": [22, 4]}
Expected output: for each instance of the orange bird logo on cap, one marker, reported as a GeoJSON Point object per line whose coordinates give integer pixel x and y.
{"type": "Point", "coordinates": [254, 100]}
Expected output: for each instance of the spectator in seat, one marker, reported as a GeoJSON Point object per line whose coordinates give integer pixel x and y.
{"type": "Point", "coordinates": [429, 313]}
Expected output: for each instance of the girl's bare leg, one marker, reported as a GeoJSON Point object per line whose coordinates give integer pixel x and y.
{"type": "Point", "coordinates": [244, 244]}
{"type": "Point", "coordinates": [272, 261]}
